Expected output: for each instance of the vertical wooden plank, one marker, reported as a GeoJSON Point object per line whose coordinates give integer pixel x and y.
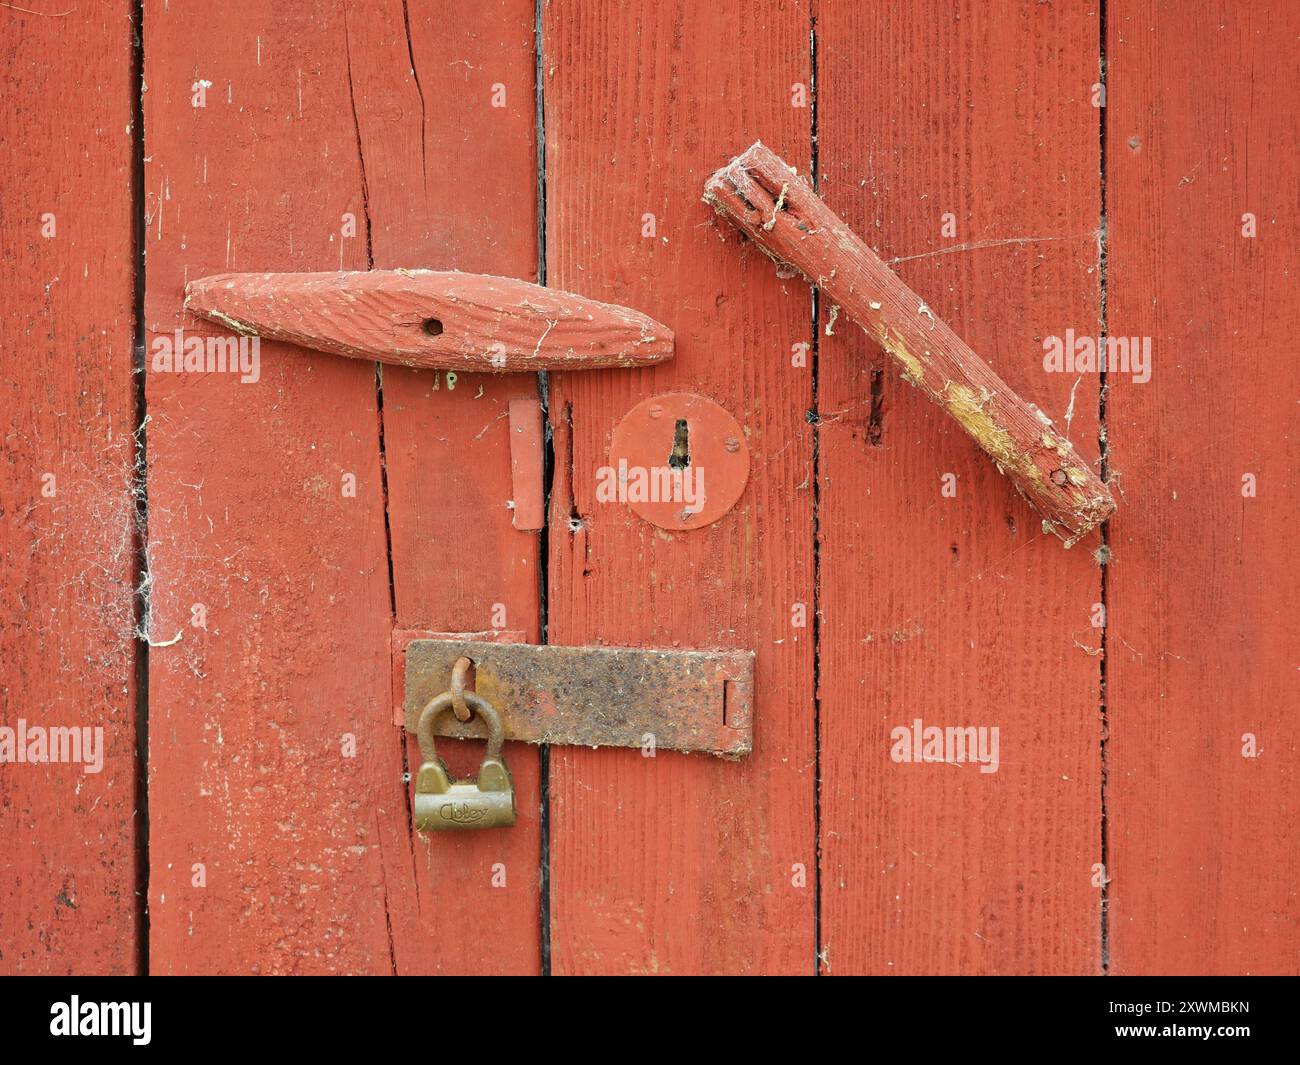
{"type": "Point", "coordinates": [682, 864]}
{"type": "Point", "coordinates": [67, 514]}
{"type": "Point", "coordinates": [267, 840]}
{"type": "Point", "coordinates": [352, 137]}
{"type": "Point", "coordinates": [976, 167]}
{"type": "Point", "coordinates": [1201, 135]}
{"type": "Point", "coordinates": [445, 109]}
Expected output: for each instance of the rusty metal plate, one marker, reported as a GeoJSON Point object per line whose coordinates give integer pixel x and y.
{"type": "Point", "coordinates": [403, 638]}
{"type": "Point", "coordinates": [678, 460]}
{"type": "Point", "coordinates": [594, 696]}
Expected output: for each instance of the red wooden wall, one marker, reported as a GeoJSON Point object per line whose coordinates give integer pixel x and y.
{"type": "Point", "coordinates": [970, 616]}
{"type": "Point", "coordinates": [1203, 843]}
{"type": "Point", "coordinates": [69, 862]}
{"type": "Point", "coordinates": [292, 525]}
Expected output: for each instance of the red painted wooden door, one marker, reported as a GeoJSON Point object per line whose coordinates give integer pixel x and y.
{"type": "Point", "coordinates": [211, 570]}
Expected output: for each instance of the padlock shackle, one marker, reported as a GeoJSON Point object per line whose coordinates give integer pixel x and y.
{"type": "Point", "coordinates": [484, 709]}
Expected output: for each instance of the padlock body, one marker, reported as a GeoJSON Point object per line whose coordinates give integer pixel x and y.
{"type": "Point", "coordinates": [464, 806]}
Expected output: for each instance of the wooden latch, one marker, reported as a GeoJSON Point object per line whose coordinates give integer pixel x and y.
{"type": "Point", "coordinates": [433, 319]}
{"type": "Point", "coordinates": [444, 320]}
{"type": "Point", "coordinates": [762, 196]}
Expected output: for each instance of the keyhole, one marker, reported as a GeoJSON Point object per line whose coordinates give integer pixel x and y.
{"type": "Point", "coordinates": [680, 456]}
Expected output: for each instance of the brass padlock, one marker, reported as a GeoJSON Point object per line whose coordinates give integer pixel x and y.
{"type": "Point", "coordinates": [442, 803]}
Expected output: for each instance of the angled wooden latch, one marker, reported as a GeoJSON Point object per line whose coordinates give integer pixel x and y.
{"type": "Point", "coordinates": [762, 196]}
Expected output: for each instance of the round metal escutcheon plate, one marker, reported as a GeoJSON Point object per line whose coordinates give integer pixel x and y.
{"type": "Point", "coordinates": [678, 460]}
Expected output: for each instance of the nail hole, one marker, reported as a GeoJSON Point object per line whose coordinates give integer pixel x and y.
{"type": "Point", "coordinates": [432, 327]}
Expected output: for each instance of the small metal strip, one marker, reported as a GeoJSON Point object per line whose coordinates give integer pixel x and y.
{"type": "Point", "coordinates": [527, 448]}
{"type": "Point", "coordinates": [594, 696]}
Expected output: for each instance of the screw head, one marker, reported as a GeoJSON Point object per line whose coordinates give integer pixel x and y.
{"type": "Point", "coordinates": [731, 444]}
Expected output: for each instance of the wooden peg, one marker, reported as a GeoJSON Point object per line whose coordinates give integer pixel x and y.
{"type": "Point", "coordinates": [763, 196]}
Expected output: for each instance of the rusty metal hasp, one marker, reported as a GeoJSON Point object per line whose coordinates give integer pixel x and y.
{"type": "Point", "coordinates": [433, 319]}
{"type": "Point", "coordinates": [588, 696]}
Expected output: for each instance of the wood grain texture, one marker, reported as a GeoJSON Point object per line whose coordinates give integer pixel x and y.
{"type": "Point", "coordinates": [682, 864]}
{"type": "Point", "coordinates": [1201, 133]}
{"type": "Point", "coordinates": [433, 319]}
{"type": "Point", "coordinates": [425, 79]}
{"type": "Point", "coordinates": [272, 850]}
{"type": "Point", "coordinates": [957, 609]}
{"type": "Point", "coordinates": [303, 528]}
{"type": "Point", "coordinates": [774, 206]}
{"type": "Point", "coordinates": [67, 513]}
{"type": "Point", "coordinates": [312, 863]}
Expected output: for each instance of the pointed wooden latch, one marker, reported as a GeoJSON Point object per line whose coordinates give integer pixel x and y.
{"type": "Point", "coordinates": [442, 320]}
{"type": "Point", "coordinates": [433, 319]}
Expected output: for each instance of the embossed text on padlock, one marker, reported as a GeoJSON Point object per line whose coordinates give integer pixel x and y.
{"type": "Point", "coordinates": [442, 803]}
